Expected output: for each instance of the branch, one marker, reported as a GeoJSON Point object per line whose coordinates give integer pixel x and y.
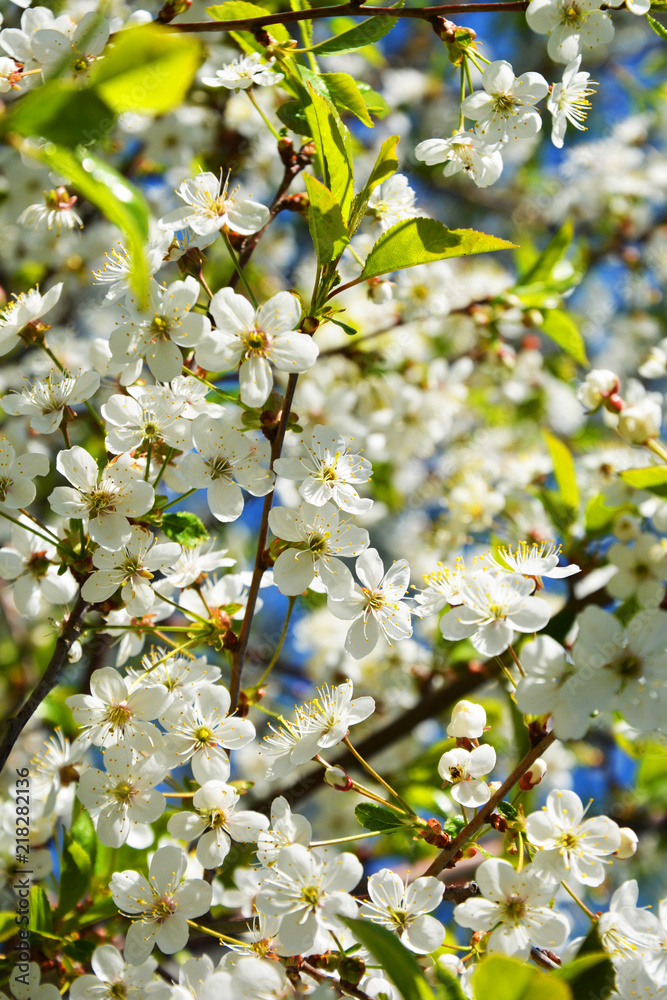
{"type": "Point", "coordinates": [480, 818]}
{"type": "Point", "coordinates": [350, 10]}
{"type": "Point", "coordinates": [14, 727]}
{"type": "Point", "coordinates": [238, 654]}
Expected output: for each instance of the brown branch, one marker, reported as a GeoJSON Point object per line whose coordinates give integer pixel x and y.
{"type": "Point", "coordinates": [345, 989]}
{"type": "Point", "coordinates": [13, 727]}
{"type": "Point", "coordinates": [238, 654]}
{"type": "Point", "coordinates": [350, 10]}
{"type": "Point", "coordinates": [480, 818]}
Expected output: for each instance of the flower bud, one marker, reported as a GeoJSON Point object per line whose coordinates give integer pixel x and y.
{"type": "Point", "coordinates": [629, 842]}
{"type": "Point", "coordinates": [640, 421]}
{"type": "Point", "coordinates": [451, 964]}
{"type": "Point", "coordinates": [468, 720]}
{"type": "Point", "coordinates": [75, 652]}
{"type": "Point", "coordinates": [533, 776]}
{"type": "Point", "coordinates": [337, 778]}
{"type": "Point", "coordinates": [598, 386]}
{"type": "Point", "coordinates": [494, 786]}
{"type": "Point", "coordinates": [380, 291]}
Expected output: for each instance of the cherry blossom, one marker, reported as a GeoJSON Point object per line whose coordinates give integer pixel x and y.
{"type": "Point", "coordinates": [571, 26]}
{"type": "Point", "coordinates": [104, 499]}
{"type": "Point", "coordinates": [464, 151]}
{"type": "Point", "coordinates": [25, 310]}
{"type": "Point", "coordinates": [216, 823]}
{"type": "Point", "coordinates": [17, 489]}
{"type": "Point", "coordinates": [504, 109]}
{"type": "Point", "coordinates": [405, 909]}
{"type": "Point", "coordinates": [113, 713]}
{"type": "Point", "coordinates": [468, 720]}
{"type": "Point", "coordinates": [160, 907]}
{"type": "Point", "coordinates": [45, 401]}
{"type": "Point", "coordinates": [569, 844]}
{"type": "Point", "coordinates": [208, 207]}
{"type": "Point", "coordinates": [376, 607]}
{"type": "Point", "coordinates": [328, 472]}
{"type": "Point", "coordinates": [514, 908]}
{"type": "Point", "coordinates": [254, 340]}
{"type": "Point", "coordinates": [31, 563]}
{"type": "Point", "coordinates": [286, 828]}
{"type": "Point", "coordinates": [113, 977]}
{"type": "Point", "coordinates": [243, 73]}
{"type": "Point", "coordinates": [130, 567]}
{"type": "Point", "coordinates": [464, 770]}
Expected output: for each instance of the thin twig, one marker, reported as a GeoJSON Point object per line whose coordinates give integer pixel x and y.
{"type": "Point", "coordinates": [13, 727]}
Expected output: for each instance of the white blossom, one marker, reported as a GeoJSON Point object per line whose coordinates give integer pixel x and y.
{"type": "Point", "coordinates": [464, 770]}
{"type": "Point", "coordinates": [464, 151]}
{"type": "Point", "coordinates": [568, 101]}
{"type": "Point", "coordinates": [515, 908]}
{"type": "Point", "coordinates": [129, 567]}
{"type": "Point", "coordinates": [405, 909]}
{"type": "Point", "coordinates": [569, 844]}
{"type": "Point", "coordinates": [247, 71]}
{"type": "Point", "coordinates": [377, 608]}
{"type": "Point", "coordinates": [286, 828]}
{"type": "Point", "coordinates": [149, 414]}
{"type": "Point", "coordinates": [253, 340]}
{"type": "Point", "coordinates": [572, 26]}
{"type": "Point", "coordinates": [328, 471]}
{"type": "Point", "coordinates": [468, 720]}
{"type": "Point", "coordinates": [112, 977]}
{"type": "Point", "coordinates": [504, 109]}
{"type": "Point", "coordinates": [216, 823]}
{"type": "Point", "coordinates": [208, 207]}
{"type": "Point", "coordinates": [161, 906]}
{"type": "Point", "coordinates": [16, 476]}
{"type": "Point", "coordinates": [32, 564]}
{"type": "Point", "coordinates": [45, 400]}
{"type": "Point", "coordinates": [392, 202]}
{"type": "Point", "coordinates": [113, 713]}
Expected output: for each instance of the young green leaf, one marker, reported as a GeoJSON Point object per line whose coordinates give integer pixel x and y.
{"type": "Point", "coordinates": [653, 479]}
{"type": "Point", "coordinates": [501, 978]}
{"type": "Point", "coordinates": [422, 241]}
{"type": "Point", "coordinates": [399, 963]}
{"type": "Point", "coordinates": [75, 876]}
{"type": "Point", "coordinates": [659, 28]}
{"type": "Point", "coordinates": [148, 69]}
{"type": "Point", "coordinates": [346, 94]}
{"type": "Point", "coordinates": [369, 31]}
{"type": "Point", "coordinates": [564, 471]}
{"type": "Point", "coordinates": [325, 221]}
{"type": "Point", "coordinates": [542, 268]}
{"type": "Point", "coordinates": [376, 817]}
{"type": "Point", "coordinates": [62, 114]}
{"type": "Point", "coordinates": [560, 326]}
{"type": "Point", "coordinates": [41, 914]}
{"type": "Point", "coordinates": [385, 167]}
{"type": "Point", "coordinates": [332, 141]}
{"type": "Point", "coordinates": [239, 10]}
{"type": "Point", "coordinates": [185, 528]}
{"type": "Point", "coordinates": [589, 975]}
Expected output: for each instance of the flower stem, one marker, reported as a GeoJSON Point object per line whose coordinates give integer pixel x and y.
{"type": "Point", "coordinates": [239, 269]}
{"type": "Point", "coordinates": [149, 455]}
{"type": "Point", "coordinates": [344, 840]}
{"type": "Point", "coordinates": [516, 660]}
{"type": "Point", "coordinates": [377, 777]}
{"type": "Point", "coordinates": [657, 447]}
{"type": "Point", "coordinates": [226, 396]}
{"type": "Point", "coordinates": [281, 640]}
{"type": "Point", "coordinates": [274, 131]}
{"type": "Point", "coordinates": [163, 467]}
{"type": "Point", "coordinates": [216, 934]}
{"type": "Point", "coordinates": [27, 527]}
{"type": "Point", "coordinates": [178, 499]}
{"type": "Point", "coordinates": [506, 672]}
{"type": "Point", "coordinates": [589, 913]}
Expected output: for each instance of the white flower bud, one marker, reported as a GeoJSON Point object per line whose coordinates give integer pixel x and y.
{"type": "Point", "coordinates": [467, 720]}
{"type": "Point", "coordinates": [337, 778]}
{"type": "Point", "coordinates": [533, 775]}
{"type": "Point", "coordinates": [380, 291]}
{"type": "Point", "coordinates": [75, 652]}
{"type": "Point", "coordinates": [100, 355]}
{"type": "Point", "coordinates": [599, 384]}
{"type": "Point", "coordinates": [451, 964]}
{"type": "Point", "coordinates": [629, 842]}
{"type": "Point", "coordinates": [494, 786]}
{"type": "Point", "coordinates": [640, 421]}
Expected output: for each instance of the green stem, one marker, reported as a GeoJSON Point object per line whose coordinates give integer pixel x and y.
{"type": "Point", "coordinates": [226, 396]}
{"type": "Point", "coordinates": [184, 611]}
{"type": "Point", "coordinates": [589, 913]}
{"type": "Point", "coordinates": [51, 541]}
{"type": "Point", "coordinates": [88, 404]}
{"type": "Point", "coordinates": [161, 472]}
{"type": "Point", "coordinates": [506, 672]}
{"type": "Point", "coordinates": [517, 661]}
{"type": "Point", "coordinates": [178, 499]}
{"type": "Point", "coordinates": [657, 447]}
{"type": "Point", "coordinates": [239, 269]}
{"type": "Point", "coordinates": [149, 455]}
{"type": "Point", "coordinates": [377, 777]}
{"type": "Point", "coordinates": [221, 937]}
{"type": "Point", "coordinates": [274, 131]}
{"type": "Point", "coordinates": [344, 840]}
{"type": "Point", "coordinates": [462, 92]}
{"type": "Point", "coordinates": [281, 640]}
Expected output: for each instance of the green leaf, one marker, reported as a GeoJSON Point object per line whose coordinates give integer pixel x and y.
{"type": "Point", "coordinates": [83, 833]}
{"type": "Point", "coordinates": [385, 167]}
{"type": "Point", "coordinates": [369, 31]}
{"type": "Point", "coordinates": [239, 10]}
{"type": "Point", "coordinates": [541, 270]}
{"type": "Point", "coordinates": [453, 825]}
{"type": "Point", "coordinates": [659, 28]}
{"type": "Point", "coordinates": [292, 114]}
{"type": "Point", "coordinates": [148, 69]}
{"type": "Point", "coordinates": [351, 331]}
{"type": "Point", "coordinates": [75, 876]}
{"type": "Point", "coordinates": [41, 914]}
{"type": "Point", "coordinates": [507, 810]}
{"type": "Point", "coordinates": [102, 909]}
{"type": "Point", "coordinates": [185, 528]}
{"type": "Point", "coordinates": [62, 114]}
{"type": "Point", "coordinates": [500, 978]}
{"type": "Point", "coordinates": [115, 197]}
{"type": "Point", "coordinates": [421, 241]}
{"type": "Point", "coordinates": [591, 975]}
{"type": "Point", "coordinates": [8, 926]}
{"type": "Point", "coordinates": [376, 817]}
{"type": "Point", "coordinates": [561, 327]}
{"type": "Point", "coordinates": [373, 100]}
{"type": "Point", "coordinates": [447, 985]}
{"type": "Point", "coordinates": [346, 94]}
{"type": "Point", "coordinates": [399, 963]}
{"type": "Point", "coordinates": [564, 470]}
{"type": "Point", "coordinates": [325, 221]}
{"type": "Point", "coordinates": [332, 141]}
{"type": "Point", "coordinates": [653, 479]}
